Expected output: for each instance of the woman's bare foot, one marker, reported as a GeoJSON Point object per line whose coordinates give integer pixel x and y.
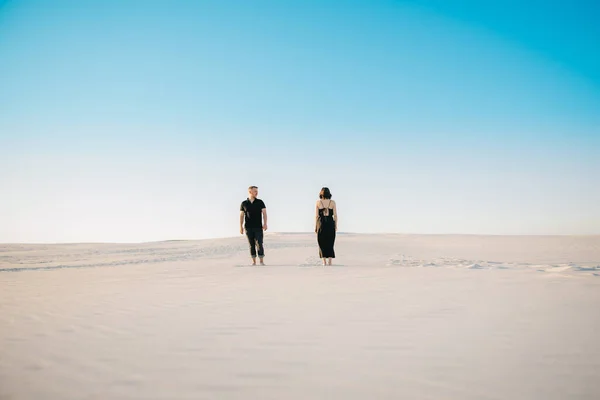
{"type": "Point", "coordinates": [329, 261]}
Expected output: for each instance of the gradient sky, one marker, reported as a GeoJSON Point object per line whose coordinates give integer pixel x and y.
{"type": "Point", "coordinates": [128, 121]}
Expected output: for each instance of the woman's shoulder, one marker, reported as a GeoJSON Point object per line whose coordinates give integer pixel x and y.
{"type": "Point", "coordinates": [320, 201]}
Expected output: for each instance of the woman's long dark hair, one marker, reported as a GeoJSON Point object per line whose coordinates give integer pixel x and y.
{"type": "Point", "coordinates": [325, 194]}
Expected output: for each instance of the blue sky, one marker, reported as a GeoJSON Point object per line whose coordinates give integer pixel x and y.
{"type": "Point", "coordinates": [147, 120]}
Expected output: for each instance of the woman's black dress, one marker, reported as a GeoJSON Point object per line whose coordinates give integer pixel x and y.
{"type": "Point", "coordinates": [326, 233]}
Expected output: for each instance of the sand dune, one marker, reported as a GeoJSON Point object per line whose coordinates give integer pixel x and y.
{"type": "Point", "coordinates": [398, 316]}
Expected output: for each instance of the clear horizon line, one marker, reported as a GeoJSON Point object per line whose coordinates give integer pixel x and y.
{"type": "Point", "coordinates": [299, 233]}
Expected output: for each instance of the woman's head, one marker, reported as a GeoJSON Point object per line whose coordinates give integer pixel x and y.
{"type": "Point", "coordinates": [325, 193]}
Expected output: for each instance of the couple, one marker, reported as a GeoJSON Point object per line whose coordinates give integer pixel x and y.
{"type": "Point", "coordinates": [253, 216]}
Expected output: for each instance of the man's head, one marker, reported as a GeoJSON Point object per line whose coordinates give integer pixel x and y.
{"type": "Point", "coordinates": [253, 192]}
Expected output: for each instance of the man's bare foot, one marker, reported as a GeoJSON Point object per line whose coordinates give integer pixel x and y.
{"type": "Point", "coordinates": [254, 261]}
{"type": "Point", "coordinates": [262, 262]}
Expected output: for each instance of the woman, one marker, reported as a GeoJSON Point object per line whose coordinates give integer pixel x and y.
{"type": "Point", "coordinates": [326, 215]}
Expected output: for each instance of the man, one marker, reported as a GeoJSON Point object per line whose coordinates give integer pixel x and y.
{"type": "Point", "coordinates": [252, 214]}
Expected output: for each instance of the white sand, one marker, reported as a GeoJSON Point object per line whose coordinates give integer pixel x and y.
{"type": "Point", "coordinates": [399, 317]}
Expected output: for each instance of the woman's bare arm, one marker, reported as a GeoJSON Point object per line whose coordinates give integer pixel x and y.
{"type": "Point", "coordinates": [316, 214]}
{"type": "Point", "coordinates": [335, 214]}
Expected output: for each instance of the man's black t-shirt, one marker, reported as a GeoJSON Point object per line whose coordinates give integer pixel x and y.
{"type": "Point", "coordinates": [253, 212]}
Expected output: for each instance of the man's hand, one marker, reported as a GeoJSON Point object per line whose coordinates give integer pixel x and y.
{"type": "Point", "coordinates": [265, 227]}
{"type": "Point", "coordinates": [241, 230]}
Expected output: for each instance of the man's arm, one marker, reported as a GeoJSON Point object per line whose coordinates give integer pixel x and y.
{"type": "Point", "coordinates": [242, 214]}
{"type": "Point", "coordinates": [264, 216]}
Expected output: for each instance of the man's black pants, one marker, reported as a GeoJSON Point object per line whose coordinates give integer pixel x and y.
{"type": "Point", "coordinates": [255, 240]}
